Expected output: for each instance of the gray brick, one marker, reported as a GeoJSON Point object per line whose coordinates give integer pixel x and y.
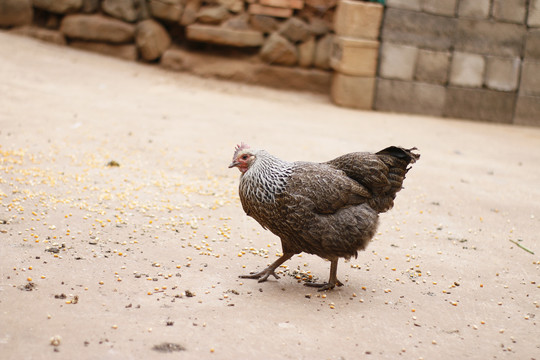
{"type": "Point", "coordinates": [440, 7]}
{"type": "Point", "coordinates": [534, 13]}
{"type": "Point", "coordinates": [397, 61]}
{"type": "Point", "coordinates": [479, 104]}
{"type": "Point", "coordinates": [530, 78]}
{"type": "Point", "coordinates": [532, 45]}
{"type": "Point", "coordinates": [404, 4]}
{"type": "Point", "coordinates": [527, 111]}
{"type": "Point", "coordinates": [477, 9]}
{"type": "Point", "coordinates": [467, 69]}
{"type": "Point", "coordinates": [432, 66]}
{"type": "Point", "coordinates": [409, 97]}
{"type": "Point", "coordinates": [418, 29]}
{"type": "Point", "coordinates": [490, 38]}
{"type": "Point", "coordinates": [502, 73]}
{"type": "Point", "coordinates": [510, 10]}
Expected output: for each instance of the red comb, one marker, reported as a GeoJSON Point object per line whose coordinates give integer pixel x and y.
{"type": "Point", "coordinates": [239, 148]}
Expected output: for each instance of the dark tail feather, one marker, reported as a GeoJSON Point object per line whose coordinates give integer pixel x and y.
{"type": "Point", "coordinates": [401, 153]}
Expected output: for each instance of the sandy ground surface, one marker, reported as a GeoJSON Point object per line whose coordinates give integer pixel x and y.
{"type": "Point", "coordinates": [133, 261]}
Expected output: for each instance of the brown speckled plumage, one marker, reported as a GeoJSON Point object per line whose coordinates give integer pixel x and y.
{"type": "Point", "coordinates": [327, 209]}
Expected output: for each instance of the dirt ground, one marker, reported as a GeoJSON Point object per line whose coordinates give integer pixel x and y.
{"type": "Point", "coordinates": [141, 260]}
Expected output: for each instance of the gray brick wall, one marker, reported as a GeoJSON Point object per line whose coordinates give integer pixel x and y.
{"type": "Point", "coordinates": [468, 59]}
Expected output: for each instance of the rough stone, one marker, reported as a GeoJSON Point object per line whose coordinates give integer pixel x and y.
{"type": "Point", "coordinates": [170, 10]}
{"type": "Point", "coordinates": [479, 104]}
{"type": "Point", "coordinates": [409, 97]}
{"type": "Point", "coordinates": [58, 6]}
{"type": "Point", "coordinates": [502, 73]}
{"type": "Point", "coordinates": [52, 36]}
{"type": "Point", "coordinates": [477, 9]}
{"type": "Point", "coordinates": [122, 51]}
{"type": "Point", "coordinates": [97, 28]}
{"type": "Point", "coordinates": [238, 22]}
{"type": "Point", "coordinates": [278, 50]}
{"type": "Point", "coordinates": [418, 29]}
{"type": "Point", "coordinates": [533, 19]}
{"type": "Point", "coordinates": [306, 52]}
{"type": "Point", "coordinates": [432, 66]}
{"type": "Point", "coordinates": [152, 39]}
{"type": "Point", "coordinates": [90, 6]}
{"type": "Point", "coordinates": [263, 23]}
{"type": "Point", "coordinates": [398, 61]}
{"type": "Point", "coordinates": [356, 57]}
{"type": "Point", "coordinates": [358, 19]}
{"type": "Point", "coordinates": [530, 78]}
{"type": "Point", "coordinates": [527, 111]}
{"type": "Point", "coordinates": [15, 12]}
{"type": "Point", "coordinates": [467, 69]}
{"type": "Point", "coordinates": [489, 38]}
{"type": "Point", "coordinates": [319, 26]}
{"type": "Point", "coordinates": [189, 16]}
{"type": "Point", "coordinates": [212, 14]}
{"type": "Point", "coordinates": [353, 91]}
{"type": "Point", "coordinates": [510, 10]}
{"type": "Point", "coordinates": [224, 36]}
{"type": "Point", "coordinates": [258, 9]}
{"type": "Point", "coordinates": [404, 4]}
{"type": "Point", "coordinates": [234, 6]}
{"type": "Point", "coordinates": [122, 9]}
{"type": "Point", "coordinates": [295, 30]}
{"type": "Point", "coordinates": [440, 7]}
{"type": "Point", "coordinates": [532, 45]}
{"type": "Point", "coordinates": [323, 51]}
{"type": "Point", "coordinates": [292, 4]}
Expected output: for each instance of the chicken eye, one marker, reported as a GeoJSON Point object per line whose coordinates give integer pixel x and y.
{"type": "Point", "coordinates": [244, 157]}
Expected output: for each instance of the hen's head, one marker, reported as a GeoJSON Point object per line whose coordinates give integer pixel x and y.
{"type": "Point", "coordinates": [243, 157]}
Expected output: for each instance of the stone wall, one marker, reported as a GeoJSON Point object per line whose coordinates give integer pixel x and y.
{"type": "Point", "coordinates": [469, 59]}
{"type": "Point", "coordinates": [276, 39]}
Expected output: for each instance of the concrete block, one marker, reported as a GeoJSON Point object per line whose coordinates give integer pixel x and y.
{"type": "Point", "coordinates": [527, 111]}
{"type": "Point", "coordinates": [353, 91]}
{"type": "Point", "coordinates": [358, 19]}
{"type": "Point", "coordinates": [530, 78]}
{"type": "Point", "coordinates": [224, 36]}
{"type": "Point", "coordinates": [476, 9]}
{"type": "Point", "coordinates": [502, 73]}
{"type": "Point", "coordinates": [355, 56]}
{"type": "Point", "coordinates": [432, 66]}
{"type": "Point", "coordinates": [418, 29]}
{"type": "Point", "coordinates": [532, 45]}
{"type": "Point", "coordinates": [404, 4]}
{"type": "Point", "coordinates": [533, 19]}
{"type": "Point", "coordinates": [467, 70]}
{"type": "Point", "coordinates": [258, 9]}
{"type": "Point", "coordinates": [440, 7]}
{"type": "Point", "coordinates": [489, 38]}
{"type": "Point", "coordinates": [398, 61]}
{"type": "Point", "coordinates": [479, 104]}
{"type": "Point", "coordinates": [409, 97]}
{"type": "Point", "coordinates": [510, 10]}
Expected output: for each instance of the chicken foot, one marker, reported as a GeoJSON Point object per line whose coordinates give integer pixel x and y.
{"type": "Point", "coordinates": [270, 270]}
{"type": "Point", "coordinates": [332, 280]}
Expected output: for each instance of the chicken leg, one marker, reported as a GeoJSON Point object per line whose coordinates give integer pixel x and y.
{"type": "Point", "coordinates": [270, 270]}
{"type": "Point", "coordinates": [332, 280]}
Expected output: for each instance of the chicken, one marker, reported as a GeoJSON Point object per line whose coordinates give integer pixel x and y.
{"type": "Point", "coordinates": [328, 209]}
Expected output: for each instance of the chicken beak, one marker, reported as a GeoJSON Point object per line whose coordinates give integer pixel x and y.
{"type": "Point", "coordinates": [233, 164]}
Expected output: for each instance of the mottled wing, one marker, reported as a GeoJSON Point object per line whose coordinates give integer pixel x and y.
{"type": "Point", "coordinates": [324, 189]}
